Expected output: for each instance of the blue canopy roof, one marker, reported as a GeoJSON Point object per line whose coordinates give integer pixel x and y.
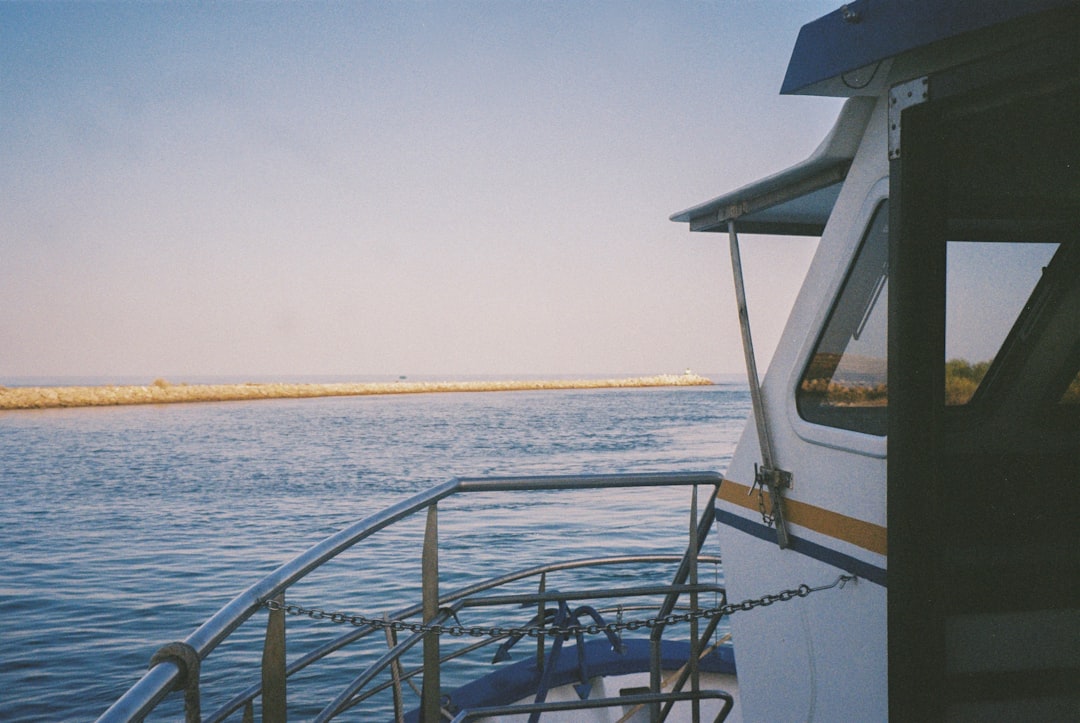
{"type": "Point", "coordinates": [865, 32]}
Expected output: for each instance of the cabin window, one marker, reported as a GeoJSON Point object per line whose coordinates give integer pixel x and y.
{"type": "Point", "coordinates": [845, 383]}
{"type": "Point", "coordinates": [988, 286]}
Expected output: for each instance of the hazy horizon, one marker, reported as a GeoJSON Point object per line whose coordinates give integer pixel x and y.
{"type": "Point", "coordinates": [273, 190]}
{"type": "Point", "coordinates": [144, 379]}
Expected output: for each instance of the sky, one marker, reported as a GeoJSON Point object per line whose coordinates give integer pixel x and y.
{"type": "Point", "coordinates": [390, 188]}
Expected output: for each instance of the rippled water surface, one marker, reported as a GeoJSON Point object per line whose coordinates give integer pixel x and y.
{"type": "Point", "coordinates": [122, 529]}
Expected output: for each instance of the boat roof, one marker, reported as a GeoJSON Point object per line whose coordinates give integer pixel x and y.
{"type": "Point", "coordinates": [796, 201]}
{"type": "Point", "coordinates": [829, 51]}
{"type": "Point", "coordinates": [864, 32]}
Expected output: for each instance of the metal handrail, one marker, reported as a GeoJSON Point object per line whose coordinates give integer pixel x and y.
{"type": "Point", "coordinates": [412, 673]}
{"type": "Point", "coordinates": [352, 636]}
{"type": "Point", "coordinates": [161, 679]}
{"type": "Point", "coordinates": [687, 568]}
{"type": "Point", "coordinates": [341, 701]}
{"type": "Point", "coordinates": [595, 703]}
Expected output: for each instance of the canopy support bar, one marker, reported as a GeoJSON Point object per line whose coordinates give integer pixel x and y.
{"type": "Point", "coordinates": [768, 475]}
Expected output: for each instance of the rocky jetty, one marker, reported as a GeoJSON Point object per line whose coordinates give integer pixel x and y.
{"type": "Point", "coordinates": [164, 392]}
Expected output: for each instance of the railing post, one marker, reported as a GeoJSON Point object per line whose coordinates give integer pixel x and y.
{"type": "Point", "coordinates": [273, 665]}
{"type": "Point", "coordinates": [395, 672]}
{"type": "Point", "coordinates": [695, 548]}
{"type": "Point", "coordinates": [655, 682]}
{"type": "Point", "coordinates": [541, 611]}
{"type": "Point", "coordinates": [431, 695]}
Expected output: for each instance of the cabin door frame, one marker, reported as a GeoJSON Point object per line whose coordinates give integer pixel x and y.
{"type": "Point", "coordinates": [921, 494]}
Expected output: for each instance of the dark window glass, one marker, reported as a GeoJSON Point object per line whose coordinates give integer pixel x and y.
{"type": "Point", "coordinates": [845, 383]}
{"type": "Point", "coordinates": [988, 285]}
{"type": "Point", "coordinates": [1072, 392]}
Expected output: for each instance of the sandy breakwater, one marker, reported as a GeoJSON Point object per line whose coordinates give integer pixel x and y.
{"type": "Point", "coordinates": [163, 392]}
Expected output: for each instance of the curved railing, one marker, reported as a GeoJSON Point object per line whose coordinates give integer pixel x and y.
{"type": "Point", "coordinates": [177, 668]}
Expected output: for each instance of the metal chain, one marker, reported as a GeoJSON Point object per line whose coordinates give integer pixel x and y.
{"type": "Point", "coordinates": [766, 518]}
{"type": "Point", "coordinates": [759, 482]}
{"type": "Point", "coordinates": [535, 631]}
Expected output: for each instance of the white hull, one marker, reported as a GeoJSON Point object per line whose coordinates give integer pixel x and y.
{"type": "Point", "coordinates": [612, 686]}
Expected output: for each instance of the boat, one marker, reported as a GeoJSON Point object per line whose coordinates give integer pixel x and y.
{"type": "Point", "coordinates": [897, 524]}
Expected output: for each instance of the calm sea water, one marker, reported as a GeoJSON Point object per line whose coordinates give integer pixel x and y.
{"type": "Point", "coordinates": [124, 528]}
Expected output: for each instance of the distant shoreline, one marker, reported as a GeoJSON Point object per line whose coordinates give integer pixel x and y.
{"type": "Point", "coordinates": [163, 392]}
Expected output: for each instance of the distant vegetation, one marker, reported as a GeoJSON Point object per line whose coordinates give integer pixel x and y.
{"type": "Point", "coordinates": [846, 395]}
{"type": "Point", "coordinates": [818, 382]}
{"type": "Point", "coordinates": [1072, 394]}
{"type": "Point", "coordinates": [962, 378]}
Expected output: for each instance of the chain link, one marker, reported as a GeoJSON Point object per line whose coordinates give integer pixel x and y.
{"type": "Point", "coordinates": [766, 518]}
{"type": "Point", "coordinates": [759, 482]}
{"type": "Point", "coordinates": [535, 631]}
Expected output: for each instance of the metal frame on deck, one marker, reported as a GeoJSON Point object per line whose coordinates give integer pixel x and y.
{"type": "Point", "coordinates": [169, 673]}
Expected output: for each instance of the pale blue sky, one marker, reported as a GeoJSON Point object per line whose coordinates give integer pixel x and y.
{"type": "Point", "coordinates": [375, 188]}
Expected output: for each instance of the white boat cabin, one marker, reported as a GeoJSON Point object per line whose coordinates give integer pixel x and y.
{"type": "Point", "coordinates": [919, 423]}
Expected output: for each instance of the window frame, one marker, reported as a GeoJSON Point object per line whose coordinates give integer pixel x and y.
{"type": "Point", "coordinates": [847, 440]}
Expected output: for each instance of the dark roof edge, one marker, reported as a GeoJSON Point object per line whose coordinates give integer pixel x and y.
{"type": "Point", "coordinates": [864, 32]}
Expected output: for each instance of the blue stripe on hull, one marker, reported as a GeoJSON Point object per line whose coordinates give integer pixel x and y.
{"type": "Point", "coordinates": [847, 563]}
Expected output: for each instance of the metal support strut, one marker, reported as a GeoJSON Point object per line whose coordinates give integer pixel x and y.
{"type": "Point", "coordinates": [274, 674]}
{"type": "Point", "coordinates": [430, 709]}
{"type": "Point", "coordinates": [769, 476]}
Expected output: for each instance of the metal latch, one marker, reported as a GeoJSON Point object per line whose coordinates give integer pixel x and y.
{"type": "Point", "coordinates": [773, 480]}
{"type": "Point", "coordinates": [901, 96]}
